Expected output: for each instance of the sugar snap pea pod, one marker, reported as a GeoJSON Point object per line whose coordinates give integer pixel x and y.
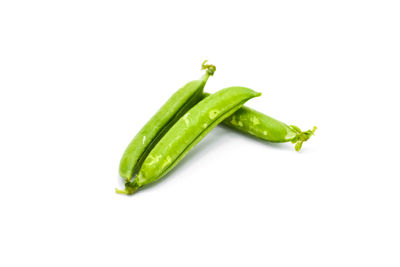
{"type": "Point", "coordinates": [187, 132]}
{"type": "Point", "coordinates": [176, 106]}
{"type": "Point", "coordinates": [262, 126]}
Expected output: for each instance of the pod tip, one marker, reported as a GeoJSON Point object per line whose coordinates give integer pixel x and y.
{"type": "Point", "coordinates": [208, 67]}
{"type": "Point", "coordinates": [302, 136]}
{"type": "Point", "coordinates": [122, 192]}
{"type": "Point", "coordinates": [130, 188]}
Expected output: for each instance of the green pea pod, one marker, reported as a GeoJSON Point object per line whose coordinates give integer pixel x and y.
{"type": "Point", "coordinates": [187, 132]}
{"type": "Point", "coordinates": [262, 126]}
{"type": "Point", "coordinates": [176, 106]}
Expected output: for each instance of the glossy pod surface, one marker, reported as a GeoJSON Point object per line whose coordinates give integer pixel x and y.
{"type": "Point", "coordinates": [177, 105]}
{"type": "Point", "coordinates": [257, 124]}
{"type": "Point", "coordinates": [188, 131]}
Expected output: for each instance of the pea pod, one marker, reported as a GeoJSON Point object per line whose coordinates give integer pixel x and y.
{"type": "Point", "coordinates": [176, 106]}
{"type": "Point", "coordinates": [187, 132]}
{"type": "Point", "coordinates": [262, 126]}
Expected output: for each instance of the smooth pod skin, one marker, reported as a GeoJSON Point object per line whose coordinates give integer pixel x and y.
{"type": "Point", "coordinates": [187, 132]}
{"type": "Point", "coordinates": [262, 126]}
{"type": "Point", "coordinates": [176, 106]}
{"type": "Point", "coordinates": [257, 124]}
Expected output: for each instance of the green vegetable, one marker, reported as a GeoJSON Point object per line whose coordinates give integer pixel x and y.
{"type": "Point", "coordinates": [177, 105]}
{"type": "Point", "coordinates": [187, 132]}
{"type": "Point", "coordinates": [262, 126]}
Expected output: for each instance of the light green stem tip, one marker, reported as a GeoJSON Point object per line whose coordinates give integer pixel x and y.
{"type": "Point", "coordinates": [130, 188]}
{"type": "Point", "coordinates": [210, 68]}
{"type": "Point", "coordinates": [301, 136]}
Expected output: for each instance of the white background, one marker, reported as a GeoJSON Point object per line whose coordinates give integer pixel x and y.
{"type": "Point", "coordinates": [78, 79]}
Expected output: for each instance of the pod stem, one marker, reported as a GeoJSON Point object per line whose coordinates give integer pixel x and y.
{"type": "Point", "coordinates": [208, 67]}
{"type": "Point", "coordinates": [130, 188]}
{"type": "Point", "coordinates": [301, 137]}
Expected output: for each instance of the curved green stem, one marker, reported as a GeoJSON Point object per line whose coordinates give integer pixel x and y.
{"type": "Point", "coordinates": [130, 188]}
{"type": "Point", "coordinates": [210, 68]}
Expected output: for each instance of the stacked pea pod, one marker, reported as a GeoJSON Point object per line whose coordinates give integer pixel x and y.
{"type": "Point", "coordinates": [185, 119]}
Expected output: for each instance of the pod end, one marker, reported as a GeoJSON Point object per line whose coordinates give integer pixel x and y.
{"type": "Point", "coordinates": [130, 188]}
{"type": "Point", "coordinates": [301, 136]}
{"type": "Point", "coordinates": [208, 67]}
